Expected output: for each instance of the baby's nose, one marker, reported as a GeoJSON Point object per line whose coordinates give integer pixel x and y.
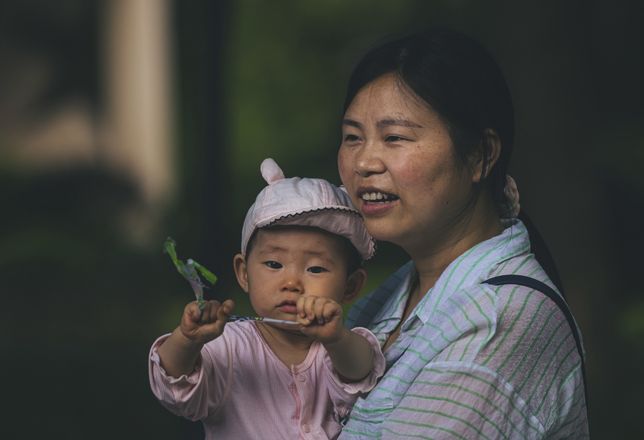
{"type": "Point", "coordinates": [292, 284]}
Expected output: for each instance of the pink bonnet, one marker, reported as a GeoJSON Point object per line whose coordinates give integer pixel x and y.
{"type": "Point", "coordinates": [305, 202]}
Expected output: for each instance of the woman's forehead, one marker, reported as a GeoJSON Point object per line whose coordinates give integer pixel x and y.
{"type": "Point", "coordinates": [388, 101]}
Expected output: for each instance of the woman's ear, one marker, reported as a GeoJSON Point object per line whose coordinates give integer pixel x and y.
{"type": "Point", "coordinates": [241, 271]}
{"type": "Point", "coordinates": [355, 283]}
{"type": "Point", "coordinates": [487, 154]}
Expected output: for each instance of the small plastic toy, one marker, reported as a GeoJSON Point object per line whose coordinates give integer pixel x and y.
{"type": "Point", "coordinates": [191, 270]}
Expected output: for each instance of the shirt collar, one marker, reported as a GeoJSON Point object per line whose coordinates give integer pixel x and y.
{"type": "Point", "coordinates": [394, 292]}
{"type": "Point", "coordinates": [473, 267]}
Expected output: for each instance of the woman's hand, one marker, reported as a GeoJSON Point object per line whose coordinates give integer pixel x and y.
{"type": "Point", "coordinates": [201, 326]}
{"type": "Point", "coordinates": [320, 318]}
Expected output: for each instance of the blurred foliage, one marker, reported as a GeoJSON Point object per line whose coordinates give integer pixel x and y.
{"type": "Point", "coordinates": [83, 301]}
{"type": "Point", "coordinates": [286, 71]}
{"type": "Point", "coordinates": [80, 304]}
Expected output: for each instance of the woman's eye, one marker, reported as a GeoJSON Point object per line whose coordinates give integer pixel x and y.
{"type": "Point", "coordinates": [350, 138]}
{"type": "Point", "coordinates": [394, 138]}
{"type": "Point", "coordinates": [317, 269]}
{"type": "Point", "coordinates": [273, 264]}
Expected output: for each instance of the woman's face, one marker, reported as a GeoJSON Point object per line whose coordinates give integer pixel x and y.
{"type": "Point", "coordinates": [399, 166]}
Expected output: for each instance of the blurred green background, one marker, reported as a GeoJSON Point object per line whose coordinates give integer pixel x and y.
{"type": "Point", "coordinates": [124, 121]}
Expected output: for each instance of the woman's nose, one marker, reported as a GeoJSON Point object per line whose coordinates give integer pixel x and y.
{"type": "Point", "coordinates": [368, 162]}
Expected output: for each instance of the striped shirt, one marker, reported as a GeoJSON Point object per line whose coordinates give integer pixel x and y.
{"type": "Point", "coordinates": [473, 360]}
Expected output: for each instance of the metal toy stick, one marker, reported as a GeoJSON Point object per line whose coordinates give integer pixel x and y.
{"type": "Point", "coordinates": [233, 318]}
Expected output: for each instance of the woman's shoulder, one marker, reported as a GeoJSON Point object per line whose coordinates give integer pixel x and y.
{"type": "Point", "coordinates": [531, 327]}
{"type": "Point", "coordinates": [529, 307]}
{"type": "Point", "coordinates": [530, 349]}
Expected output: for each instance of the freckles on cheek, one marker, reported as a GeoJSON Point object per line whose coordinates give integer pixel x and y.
{"type": "Point", "coordinates": [417, 175]}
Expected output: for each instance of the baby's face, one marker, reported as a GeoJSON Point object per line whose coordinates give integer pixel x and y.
{"type": "Point", "coordinates": [285, 264]}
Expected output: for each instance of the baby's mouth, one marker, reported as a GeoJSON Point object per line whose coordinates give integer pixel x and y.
{"type": "Point", "coordinates": [287, 307]}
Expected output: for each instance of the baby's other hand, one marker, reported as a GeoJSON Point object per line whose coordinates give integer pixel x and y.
{"type": "Point", "coordinates": [320, 318]}
{"type": "Point", "coordinates": [201, 326]}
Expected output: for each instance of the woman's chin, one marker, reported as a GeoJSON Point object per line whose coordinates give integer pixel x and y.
{"type": "Point", "coordinates": [384, 229]}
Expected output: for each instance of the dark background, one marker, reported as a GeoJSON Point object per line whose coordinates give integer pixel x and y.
{"type": "Point", "coordinates": [86, 289]}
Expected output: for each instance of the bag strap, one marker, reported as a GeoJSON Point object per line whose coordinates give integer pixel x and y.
{"type": "Point", "coordinates": [557, 299]}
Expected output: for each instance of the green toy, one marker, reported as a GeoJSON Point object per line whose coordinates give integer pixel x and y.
{"type": "Point", "coordinates": [190, 271]}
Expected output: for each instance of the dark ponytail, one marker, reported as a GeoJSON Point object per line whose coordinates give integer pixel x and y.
{"type": "Point", "coordinates": [541, 252]}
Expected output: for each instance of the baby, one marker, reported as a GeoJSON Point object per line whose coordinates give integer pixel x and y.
{"type": "Point", "coordinates": [301, 258]}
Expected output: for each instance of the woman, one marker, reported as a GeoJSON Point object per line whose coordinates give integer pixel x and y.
{"type": "Point", "coordinates": [426, 140]}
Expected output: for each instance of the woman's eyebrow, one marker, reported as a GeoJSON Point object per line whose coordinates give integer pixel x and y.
{"type": "Point", "coordinates": [384, 123]}
{"type": "Point", "coordinates": [351, 123]}
{"type": "Point", "coordinates": [397, 122]}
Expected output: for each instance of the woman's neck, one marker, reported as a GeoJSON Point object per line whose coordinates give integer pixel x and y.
{"type": "Point", "coordinates": [432, 258]}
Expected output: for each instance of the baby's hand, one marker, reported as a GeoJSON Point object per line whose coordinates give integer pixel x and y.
{"type": "Point", "coordinates": [201, 326]}
{"type": "Point", "coordinates": [320, 318]}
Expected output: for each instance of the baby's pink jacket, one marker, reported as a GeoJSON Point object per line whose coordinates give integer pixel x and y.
{"type": "Point", "coordinates": [241, 390]}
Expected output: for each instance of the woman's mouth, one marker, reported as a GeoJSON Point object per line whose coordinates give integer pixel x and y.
{"type": "Point", "coordinates": [375, 202]}
{"type": "Point", "coordinates": [377, 197]}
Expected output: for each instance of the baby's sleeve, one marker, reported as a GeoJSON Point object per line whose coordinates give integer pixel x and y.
{"type": "Point", "coordinates": [195, 395]}
{"type": "Point", "coordinates": [344, 394]}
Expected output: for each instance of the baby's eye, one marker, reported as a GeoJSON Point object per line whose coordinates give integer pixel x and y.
{"type": "Point", "coordinates": [273, 264]}
{"type": "Point", "coordinates": [317, 269]}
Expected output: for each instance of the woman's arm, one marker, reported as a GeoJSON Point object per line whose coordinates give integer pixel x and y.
{"type": "Point", "coordinates": [517, 376]}
{"type": "Point", "coordinates": [448, 401]}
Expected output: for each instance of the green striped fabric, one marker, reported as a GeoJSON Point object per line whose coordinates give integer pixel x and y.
{"type": "Point", "coordinates": [473, 361]}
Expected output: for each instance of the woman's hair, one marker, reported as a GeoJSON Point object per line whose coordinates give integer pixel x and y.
{"type": "Point", "coordinates": [461, 81]}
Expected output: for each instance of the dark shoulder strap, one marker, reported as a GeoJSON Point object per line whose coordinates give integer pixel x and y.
{"type": "Point", "coordinates": [556, 298]}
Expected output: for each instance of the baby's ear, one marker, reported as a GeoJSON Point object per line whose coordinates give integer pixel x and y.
{"type": "Point", "coordinates": [355, 283]}
{"type": "Point", "coordinates": [241, 272]}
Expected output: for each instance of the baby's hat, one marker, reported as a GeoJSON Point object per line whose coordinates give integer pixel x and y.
{"type": "Point", "coordinates": [305, 202]}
